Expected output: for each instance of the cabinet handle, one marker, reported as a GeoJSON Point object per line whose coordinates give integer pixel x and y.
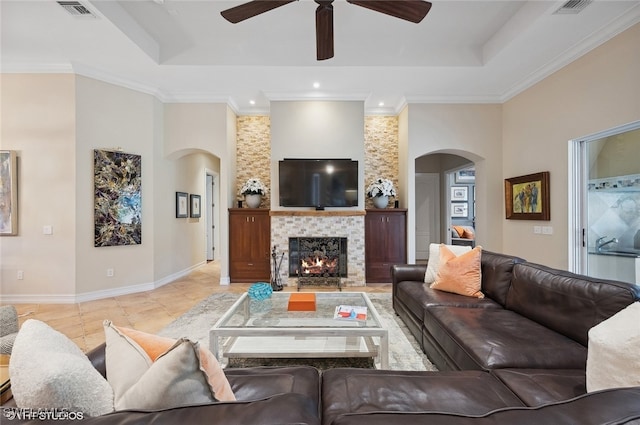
{"type": "Point", "coordinates": [247, 219]}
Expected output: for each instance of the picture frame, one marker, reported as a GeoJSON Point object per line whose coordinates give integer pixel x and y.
{"type": "Point", "coordinates": [117, 200]}
{"type": "Point", "coordinates": [459, 210]}
{"type": "Point", "coordinates": [8, 193]}
{"type": "Point", "coordinates": [527, 197]}
{"type": "Point", "coordinates": [182, 206]}
{"type": "Point", "coordinates": [468, 175]}
{"type": "Point", "coordinates": [459, 193]}
{"type": "Point", "coordinates": [194, 203]}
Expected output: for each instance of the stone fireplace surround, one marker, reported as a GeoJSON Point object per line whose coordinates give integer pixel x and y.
{"type": "Point", "coordinates": [331, 223]}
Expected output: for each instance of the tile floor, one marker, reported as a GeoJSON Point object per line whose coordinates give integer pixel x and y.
{"type": "Point", "coordinates": [147, 311]}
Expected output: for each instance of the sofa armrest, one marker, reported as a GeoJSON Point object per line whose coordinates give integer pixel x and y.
{"type": "Point", "coordinates": [401, 272]}
{"type": "Point", "coordinates": [97, 358]}
{"type": "Point", "coordinates": [406, 272]}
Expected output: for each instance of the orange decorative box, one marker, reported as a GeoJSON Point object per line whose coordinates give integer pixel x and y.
{"type": "Point", "coordinates": [302, 302]}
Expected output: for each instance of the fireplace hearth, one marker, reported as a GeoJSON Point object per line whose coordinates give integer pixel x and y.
{"type": "Point", "coordinates": [318, 260]}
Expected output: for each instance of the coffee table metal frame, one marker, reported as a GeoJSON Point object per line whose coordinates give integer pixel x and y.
{"type": "Point", "coordinates": [223, 337]}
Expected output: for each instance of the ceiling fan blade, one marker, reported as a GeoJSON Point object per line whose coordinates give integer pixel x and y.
{"type": "Point", "coordinates": [409, 10]}
{"type": "Point", "coordinates": [324, 29]}
{"type": "Point", "coordinates": [251, 9]}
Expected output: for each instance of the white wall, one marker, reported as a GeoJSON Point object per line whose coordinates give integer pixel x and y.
{"type": "Point", "coordinates": [316, 129]}
{"type": "Point", "coordinates": [599, 91]}
{"type": "Point", "coordinates": [38, 121]}
{"type": "Point", "coordinates": [471, 131]}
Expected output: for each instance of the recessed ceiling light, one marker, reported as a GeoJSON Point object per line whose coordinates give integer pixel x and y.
{"type": "Point", "coordinates": [381, 104]}
{"type": "Point", "coordinates": [316, 85]}
{"type": "Point", "coordinates": [252, 102]}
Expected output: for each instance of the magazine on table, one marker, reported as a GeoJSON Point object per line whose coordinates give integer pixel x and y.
{"type": "Point", "coordinates": [350, 312]}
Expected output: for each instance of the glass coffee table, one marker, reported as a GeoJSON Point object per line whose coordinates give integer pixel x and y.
{"type": "Point", "coordinates": [267, 329]}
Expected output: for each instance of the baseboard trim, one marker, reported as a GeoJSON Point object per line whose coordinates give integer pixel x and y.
{"type": "Point", "coordinates": [96, 295]}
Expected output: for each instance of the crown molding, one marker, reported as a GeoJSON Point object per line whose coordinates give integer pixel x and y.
{"type": "Point", "coordinates": [598, 38]}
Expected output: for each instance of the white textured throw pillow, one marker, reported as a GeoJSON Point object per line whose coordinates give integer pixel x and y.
{"type": "Point", "coordinates": [49, 371]}
{"type": "Point", "coordinates": [612, 356]}
{"type": "Point", "coordinates": [434, 259]}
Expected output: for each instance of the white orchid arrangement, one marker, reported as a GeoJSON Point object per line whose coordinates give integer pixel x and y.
{"type": "Point", "coordinates": [381, 187]}
{"type": "Point", "coordinates": [253, 187]}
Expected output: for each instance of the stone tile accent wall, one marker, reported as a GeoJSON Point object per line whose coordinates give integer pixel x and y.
{"type": "Point", "coordinates": [380, 151]}
{"type": "Point", "coordinates": [253, 150]}
{"type": "Point", "coordinates": [351, 227]}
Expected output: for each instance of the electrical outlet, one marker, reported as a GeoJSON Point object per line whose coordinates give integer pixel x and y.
{"type": "Point", "coordinates": [47, 230]}
{"type": "Point", "coordinates": [20, 275]}
{"type": "Point", "coordinates": [547, 230]}
{"type": "Point", "coordinates": [109, 272]}
{"type": "Point", "coordinates": [537, 230]}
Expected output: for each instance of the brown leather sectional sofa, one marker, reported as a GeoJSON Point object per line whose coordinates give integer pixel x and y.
{"type": "Point", "coordinates": [517, 356]}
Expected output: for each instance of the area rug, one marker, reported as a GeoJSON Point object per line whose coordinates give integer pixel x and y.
{"type": "Point", "coordinates": [404, 351]}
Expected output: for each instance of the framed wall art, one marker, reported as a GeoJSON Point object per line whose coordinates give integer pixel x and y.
{"type": "Point", "coordinates": [459, 210]}
{"type": "Point", "coordinates": [459, 193]}
{"type": "Point", "coordinates": [182, 208]}
{"type": "Point", "coordinates": [468, 175]}
{"type": "Point", "coordinates": [195, 206]}
{"type": "Point", "coordinates": [117, 198]}
{"type": "Point", "coordinates": [8, 193]}
{"type": "Point", "coordinates": [527, 197]}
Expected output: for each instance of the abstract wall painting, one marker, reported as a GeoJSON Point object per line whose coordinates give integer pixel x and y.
{"type": "Point", "coordinates": [117, 198]}
{"type": "Point", "coordinates": [527, 197]}
{"type": "Point", "coordinates": [8, 193]}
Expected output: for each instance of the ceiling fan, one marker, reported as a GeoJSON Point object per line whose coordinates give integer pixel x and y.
{"type": "Point", "coordinates": [409, 10]}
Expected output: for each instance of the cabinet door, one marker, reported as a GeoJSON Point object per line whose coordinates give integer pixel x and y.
{"type": "Point", "coordinates": [395, 233]}
{"type": "Point", "coordinates": [249, 241]}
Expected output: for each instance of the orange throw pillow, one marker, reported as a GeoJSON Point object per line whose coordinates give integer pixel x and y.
{"type": "Point", "coordinates": [460, 274]}
{"type": "Point", "coordinates": [459, 230]}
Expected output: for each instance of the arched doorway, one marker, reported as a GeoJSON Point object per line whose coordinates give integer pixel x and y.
{"type": "Point", "coordinates": [436, 210]}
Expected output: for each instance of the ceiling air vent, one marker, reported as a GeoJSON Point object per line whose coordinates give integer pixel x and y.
{"type": "Point", "coordinates": [573, 7]}
{"type": "Point", "coordinates": [77, 9]}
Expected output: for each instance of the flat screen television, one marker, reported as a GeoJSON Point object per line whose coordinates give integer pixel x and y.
{"type": "Point", "coordinates": [318, 183]}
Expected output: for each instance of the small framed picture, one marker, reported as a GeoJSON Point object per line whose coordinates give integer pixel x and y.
{"type": "Point", "coordinates": [459, 193]}
{"type": "Point", "coordinates": [467, 175]}
{"type": "Point", "coordinates": [195, 206]}
{"type": "Point", "coordinates": [182, 204]}
{"type": "Point", "coordinates": [459, 209]}
{"type": "Point", "coordinates": [527, 197]}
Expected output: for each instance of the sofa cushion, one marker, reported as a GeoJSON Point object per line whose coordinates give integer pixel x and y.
{"type": "Point", "coordinates": [257, 382]}
{"type": "Point", "coordinates": [613, 407]}
{"type": "Point", "coordinates": [568, 303]}
{"type": "Point", "coordinates": [146, 372]}
{"type": "Point", "coordinates": [481, 338]}
{"type": "Point", "coordinates": [49, 371]}
{"type": "Point", "coordinates": [459, 274]}
{"type": "Point", "coordinates": [348, 391]}
{"type": "Point", "coordinates": [536, 387]}
{"type": "Point", "coordinates": [496, 275]}
{"type": "Point", "coordinates": [434, 259]}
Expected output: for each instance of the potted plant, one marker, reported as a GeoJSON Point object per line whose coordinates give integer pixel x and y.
{"type": "Point", "coordinates": [253, 190]}
{"type": "Point", "coordinates": [380, 190]}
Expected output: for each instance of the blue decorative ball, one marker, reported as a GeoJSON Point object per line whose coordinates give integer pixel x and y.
{"type": "Point", "coordinates": [260, 291]}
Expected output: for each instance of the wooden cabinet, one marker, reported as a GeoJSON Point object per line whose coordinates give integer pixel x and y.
{"type": "Point", "coordinates": [385, 233]}
{"type": "Point", "coordinates": [249, 244]}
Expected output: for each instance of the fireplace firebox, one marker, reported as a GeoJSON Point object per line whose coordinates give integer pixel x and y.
{"type": "Point", "coordinates": [318, 260]}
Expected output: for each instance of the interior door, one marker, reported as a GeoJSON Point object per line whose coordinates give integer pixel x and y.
{"type": "Point", "coordinates": [427, 212]}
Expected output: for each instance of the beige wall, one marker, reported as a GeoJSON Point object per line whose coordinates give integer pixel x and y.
{"type": "Point", "coordinates": [321, 129]}
{"type": "Point", "coordinates": [473, 132]}
{"type": "Point", "coordinates": [55, 122]}
{"type": "Point", "coordinates": [110, 117]}
{"type": "Point", "coordinates": [38, 121]}
{"type": "Point", "coordinates": [596, 92]}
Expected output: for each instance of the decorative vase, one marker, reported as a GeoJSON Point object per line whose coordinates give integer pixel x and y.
{"type": "Point", "coordinates": [380, 201]}
{"type": "Point", "coordinates": [253, 201]}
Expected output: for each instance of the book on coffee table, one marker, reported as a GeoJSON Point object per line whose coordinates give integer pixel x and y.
{"type": "Point", "coordinates": [350, 312]}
